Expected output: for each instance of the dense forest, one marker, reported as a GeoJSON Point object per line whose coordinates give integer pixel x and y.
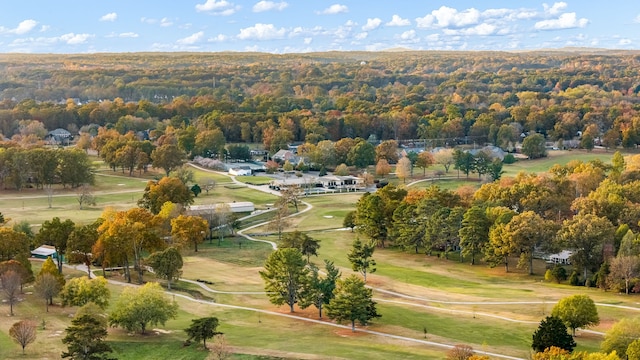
{"type": "Point", "coordinates": [443, 97]}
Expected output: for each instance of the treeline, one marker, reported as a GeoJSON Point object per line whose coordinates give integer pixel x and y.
{"type": "Point", "coordinates": [591, 209]}
{"type": "Point", "coordinates": [44, 167]}
{"type": "Point", "coordinates": [444, 98]}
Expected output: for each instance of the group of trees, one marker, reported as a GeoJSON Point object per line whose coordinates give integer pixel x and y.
{"type": "Point", "coordinates": [445, 98]}
{"type": "Point", "coordinates": [589, 208]}
{"type": "Point", "coordinates": [291, 280]}
{"type": "Point", "coordinates": [552, 340]}
{"type": "Point", "coordinates": [43, 167]}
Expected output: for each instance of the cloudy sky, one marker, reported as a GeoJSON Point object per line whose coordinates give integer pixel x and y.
{"type": "Point", "coordinates": [285, 26]}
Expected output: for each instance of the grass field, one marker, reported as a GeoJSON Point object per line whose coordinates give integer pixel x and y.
{"type": "Point", "coordinates": [455, 302]}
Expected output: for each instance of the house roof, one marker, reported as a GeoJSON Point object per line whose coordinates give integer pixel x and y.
{"type": "Point", "coordinates": [59, 132]}
{"type": "Point", "coordinates": [44, 250]}
{"type": "Point", "coordinates": [283, 153]}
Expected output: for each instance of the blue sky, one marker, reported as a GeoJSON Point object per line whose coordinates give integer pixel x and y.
{"type": "Point", "coordinates": [286, 26]}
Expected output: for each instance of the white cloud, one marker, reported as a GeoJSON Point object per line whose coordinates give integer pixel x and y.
{"type": "Point", "coordinates": [372, 24]}
{"type": "Point", "coordinates": [308, 40]}
{"type": "Point", "coordinates": [25, 26]}
{"type": "Point", "coordinates": [215, 7]}
{"type": "Point", "coordinates": [408, 35]}
{"type": "Point", "coordinates": [555, 9]}
{"type": "Point", "coordinates": [219, 38]}
{"type": "Point", "coordinates": [637, 19]}
{"type": "Point", "coordinates": [449, 17]}
{"type": "Point", "coordinates": [361, 36]}
{"type": "Point", "coordinates": [191, 39]}
{"type": "Point", "coordinates": [565, 21]}
{"type": "Point", "coordinates": [75, 39]}
{"type": "Point", "coordinates": [261, 32]}
{"type": "Point", "coordinates": [261, 6]}
{"type": "Point", "coordinates": [624, 42]}
{"type": "Point", "coordinates": [44, 28]}
{"type": "Point", "coordinates": [148, 20]}
{"type": "Point", "coordinates": [128, 35]}
{"type": "Point", "coordinates": [164, 22]}
{"type": "Point", "coordinates": [109, 17]}
{"type": "Point", "coordinates": [396, 20]}
{"type": "Point", "coordinates": [334, 9]}
{"type": "Point", "coordinates": [483, 29]}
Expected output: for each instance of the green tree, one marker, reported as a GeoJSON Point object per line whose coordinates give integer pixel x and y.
{"type": "Point", "coordinates": [494, 169]}
{"type": "Point", "coordinates": [166, 264]}
{"type": "Point", "coordinates": [362, 155]}
{"type": "Point", "coordinates": [526, 232]}
{"type": "Point", "coordinates": [370, 217]}
{"type": "Point", "coordinates": [621, 335]}
{"type": "Point", "coordinates": [464, 161]}
{"type": "Point", "coordinates": [47, 287]}
{"type": "Point", "coordinates": [81, 291]}
{"type": "Point", "coordinates": [349, 220]}
{"type": "Point", "coordinates": [75, 168]}
{"type": "Point", "coordinates": [203, 329]}
{"type": "Point", "coordinates": [56, 233]}
{"type": "Point", "coordinates": [361, 259]}
{"type": "Point", "coordinates": [352, 301]}
{"type": "Point", "coordinates": [136, 308]}
{"type": "Point", "coordinates": [576, 311]}
{"type": "Point", "coordinates": [552, 332]}
{"type": "Point", "coordinates": [306, 244]}
{"type": "Point", "coordinates": [167, 189]}
{"type": "Point", "coordinates": [474, 233]}
{"type": "Point", "coordinates": [586, 235]}
{"type": "Point", "coordinates": [12, 244]}
{"type": "Point", "coordinates": [168, 157]}
{"type": "Point", "coordinates": [85, 338]}
{"type": "Point", "coordinates": [23, 332]}
{"type": "Point", "coordinates": [320, 291]}
{"type": "Point", "coordinates": [285, 276]}
{"type": "Point", "coordinates": [534, 147]}
{"type": "Point", "coordinates": [210, 143]}
{"type": "Point", "coordinates": [80, 244]}
{"type": "Point", "coordinates": [633, 350]}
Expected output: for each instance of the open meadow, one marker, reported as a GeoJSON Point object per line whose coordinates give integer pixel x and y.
{"type": "Point", "coordinates": [427, 303]}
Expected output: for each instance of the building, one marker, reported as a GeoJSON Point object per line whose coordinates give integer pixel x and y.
{"type": "Point", "coordinates": [44, 252]}
{"type": "Point", "coordinates": [341, 182]}
{"type": "Point", "coordinates": [284, 155]}
{"type": "Point", "coordinates": [561, 258]}
{"type": "Point", "coordinates": [59, 137]}
{"type": "Point", "coordinates": [235, 207]}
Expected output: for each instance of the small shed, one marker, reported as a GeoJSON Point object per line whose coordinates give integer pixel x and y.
{"type": "Point", "coordinates": [44, 252]}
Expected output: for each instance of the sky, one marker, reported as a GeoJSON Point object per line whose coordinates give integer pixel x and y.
{"type": "Point", "coordinates": [297, 26]}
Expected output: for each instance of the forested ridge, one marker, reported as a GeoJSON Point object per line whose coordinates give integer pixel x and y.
{"type": "Point", "coordinates": [391, 95]}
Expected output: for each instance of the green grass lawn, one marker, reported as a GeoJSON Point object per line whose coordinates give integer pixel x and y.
{"type": "Point", "coordinates": [255, 180]}
{"type": "Point", "coordinates": [555, 157]}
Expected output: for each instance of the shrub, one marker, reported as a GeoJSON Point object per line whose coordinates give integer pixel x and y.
{"type": "Point", "coordinates": [559, 274]}
{"type": "Point", "coordinates": [509, 159]}
{"type": "Point", "coordinates": [574, 279]}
